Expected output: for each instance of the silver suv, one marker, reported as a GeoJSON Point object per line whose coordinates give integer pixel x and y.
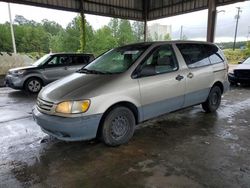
{"type": "Point", "coordinates": [49, 68]}
{"type": "Point", "coordinates": [131, 84]}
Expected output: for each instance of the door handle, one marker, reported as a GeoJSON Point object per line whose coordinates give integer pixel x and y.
{"type": "Point", "coordinates": [190, 75]}
{"type": "Point", "coordinates": [179, 77]}
{"type": "Point", "coordinates": [65, 68]}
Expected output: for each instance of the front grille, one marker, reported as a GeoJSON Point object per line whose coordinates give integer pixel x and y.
{"type": "Point", "coordinates": [242, 73]}
{"type": "Point", "coordinates": [44, 105]}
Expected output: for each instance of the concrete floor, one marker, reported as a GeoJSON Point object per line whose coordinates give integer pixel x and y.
{"type": "Point", "coordinates": [184, 149]}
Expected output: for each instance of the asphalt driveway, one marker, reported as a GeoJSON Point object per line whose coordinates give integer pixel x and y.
{"type": "Point", "coordinates": [188, 148]}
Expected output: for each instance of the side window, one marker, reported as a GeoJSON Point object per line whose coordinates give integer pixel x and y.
{"type": "Point", "coordinates": [59, 61]}
{"type": "Point", "coordinates": [162, 60]}
{"type": "Point", "coordinates": [214, 53]}
{"type": "Point", "coordinates": [64, 60]}
{"type": "Point", "coordinates": [194, 55]}
{"type": "Point", "coordinates": [52, 62]}
{"type": "Point", "coordinates": [80, 60]}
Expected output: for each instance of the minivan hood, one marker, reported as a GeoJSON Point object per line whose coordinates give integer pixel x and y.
{"type": "Point", "coordinates": [73, 87]}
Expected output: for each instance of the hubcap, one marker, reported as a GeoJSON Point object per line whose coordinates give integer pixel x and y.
{"type": "Point", "coordinates": [215, 99]}
{"type": "Point", "coordinates": [119, 127]}
{"type": "Point", "coordinates": [34, 86]}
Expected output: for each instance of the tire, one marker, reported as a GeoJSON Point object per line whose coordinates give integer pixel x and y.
{"type": "Point", "coordinates": [213, 101]}
{"type": "Point", "coordinates": [33, 85]}
{"type": "Point", "coordinates": [118, 126]}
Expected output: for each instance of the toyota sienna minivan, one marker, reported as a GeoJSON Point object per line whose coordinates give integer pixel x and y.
{"type": "Point", "coordinates": [129, 85]}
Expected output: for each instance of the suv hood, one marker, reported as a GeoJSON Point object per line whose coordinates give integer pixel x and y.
{"type": "Point", "coordinates": [76, 86]}
{"type": "Point", "coordinates": [243, 67]}
{"type": "Point", "coordinates": [23, 68]}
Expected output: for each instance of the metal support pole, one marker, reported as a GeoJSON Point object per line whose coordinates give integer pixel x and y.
{"type": "Point", "coordinates": [211, 20]}
{"type": "Point", "coordinates": [83, 29]}
{"type": "Point", "coordinates": [145, 6]}
{"type": "Point", "coordinates": [12, 31]}
{"type": "Point", "coordinates": [236, 26]}
{"type": "Point", "coordinates": [145, 30]}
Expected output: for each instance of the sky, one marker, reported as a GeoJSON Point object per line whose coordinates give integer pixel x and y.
{"type": "Point", "coordinates": [194, 24]}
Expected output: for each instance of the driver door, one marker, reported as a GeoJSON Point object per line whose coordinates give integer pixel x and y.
{"type": "Point", "coordinates": [163, 90]}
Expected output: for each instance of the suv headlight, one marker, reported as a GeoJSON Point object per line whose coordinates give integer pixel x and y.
{"type": "Point", "coordinates": [73, 107]}
{"type": "Point", "coordinates": [17, 72]}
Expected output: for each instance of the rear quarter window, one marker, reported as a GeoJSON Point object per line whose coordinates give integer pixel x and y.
{"type": "Point", "coordinates": [194, 55]}
{"type": "Point", "coordinates": [214, 53]}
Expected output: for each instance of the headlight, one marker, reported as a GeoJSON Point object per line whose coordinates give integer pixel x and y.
{"type": "Point", "coordinates": [73, 107]}
{"type": "Point", "coordinates": [18, 72]}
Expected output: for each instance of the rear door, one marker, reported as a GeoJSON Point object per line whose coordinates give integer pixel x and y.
{"type": "Point", "coordinates": [199, 73]}
{"type": "Point", "coordinates": [162, 91]}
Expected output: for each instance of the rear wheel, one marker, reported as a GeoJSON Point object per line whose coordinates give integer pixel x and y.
{"type": "Point", "coordinates": [33, 85]}
{"type": "Point", "coordinates": [118, 126]}
{"type": "Point", "coordinates": [213, 101]}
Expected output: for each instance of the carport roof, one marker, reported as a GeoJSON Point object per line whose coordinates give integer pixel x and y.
{"type": "Point", "coordinates": [129, 9]}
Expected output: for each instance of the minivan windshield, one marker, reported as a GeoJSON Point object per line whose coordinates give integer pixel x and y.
{"type": "Point", "coordinates": [117, 60]}
{"type": "Point", "coordinates": [42, 60]}
{"type": "Point", "coordinates": [247, 61]}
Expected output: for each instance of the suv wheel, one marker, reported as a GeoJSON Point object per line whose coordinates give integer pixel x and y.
{"type": "Point", "coordinates": [118, 126]}
{"type": "Point", "coordinates": [213, 101]}
{"type": "Point", "coordinates": [33, 85]}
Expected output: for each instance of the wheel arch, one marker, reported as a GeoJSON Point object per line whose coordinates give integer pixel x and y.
{"type": "Point", "coordinates": [127, 104]}
{"type": "Point", "coordinates": [220, 85]}
{"type": "Point", "coordinates": [37, 77]}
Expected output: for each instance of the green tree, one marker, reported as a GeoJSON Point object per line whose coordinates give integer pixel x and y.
{"type": "Point", "coordinates": [138, 31]}
{"type": "Point", "coordinates": [51, 27]}
{"type": "Point", "coordinates": [5, 38]}
{"type": "Point", "coordinates": [83, 32]}
{"type": "Point", "coordinates": [20, 20]}
{"type": "Point", "coordinates": [248, 48]}
{"type": "Point", "coordinates": [114, 26]}
{"type": "Point", "coordinates": [125, 33]}
{"type": "Point", "coordinates": [90, 38]}
{"type": "Point", "coordinates": [104, 40]}
{"type": "Point", "coordinates": [167, 37]}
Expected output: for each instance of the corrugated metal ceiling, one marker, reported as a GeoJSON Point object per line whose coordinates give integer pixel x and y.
{"type": "Point", "coordinates": [128, 9]}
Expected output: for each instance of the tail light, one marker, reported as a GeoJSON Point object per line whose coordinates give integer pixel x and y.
{"type": "Point", "coordinates": [227, 67]}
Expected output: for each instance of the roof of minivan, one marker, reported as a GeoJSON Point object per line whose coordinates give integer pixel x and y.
{"type": "Point", "coordinates": [170, 42]}
{"type": "Point", "coordinates": [167, 42]}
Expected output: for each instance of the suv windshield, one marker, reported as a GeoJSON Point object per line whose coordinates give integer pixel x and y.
{"type": "Point", "coordinates": [42, 60]}
{"type": "Point", "coordinates": [117, 60]}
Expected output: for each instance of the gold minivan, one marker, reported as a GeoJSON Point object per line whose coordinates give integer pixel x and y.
{"type": "Point", "coordinates": [129, 85]}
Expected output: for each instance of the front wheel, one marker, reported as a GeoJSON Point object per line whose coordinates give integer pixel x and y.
{"type": "Point", "coordinates": [118, 126]}
{"type": "Point", "coordinates": [213, 101]}
{"type": "Point", "coordinates": [33, 85]}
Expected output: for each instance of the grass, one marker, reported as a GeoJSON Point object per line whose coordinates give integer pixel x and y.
{"type": "Point", "coordinates": [235, 56]}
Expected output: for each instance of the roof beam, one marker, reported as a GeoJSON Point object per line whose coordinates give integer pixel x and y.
{"type": "Point", "coordinates": [127, 9]}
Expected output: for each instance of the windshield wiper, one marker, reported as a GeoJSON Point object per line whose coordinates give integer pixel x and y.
{"type": "Point", "coordinates": [89, 71]}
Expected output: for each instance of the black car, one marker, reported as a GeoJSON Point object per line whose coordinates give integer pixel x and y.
{"type": "Point", "coordinates": [49, 68]}
{"type": "Point", "coordinates": [241, 74]}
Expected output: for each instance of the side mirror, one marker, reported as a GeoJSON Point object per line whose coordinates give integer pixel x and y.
{"type": "Point", "coordinates": [147, 71]}
{"type": "Point", "coordinates": [240, 62]}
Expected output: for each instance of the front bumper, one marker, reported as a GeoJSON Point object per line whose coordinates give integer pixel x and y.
{"type": "Point", "coordinates": [68, 129]}
{"type": "Point", "coordinates": [14, 82]}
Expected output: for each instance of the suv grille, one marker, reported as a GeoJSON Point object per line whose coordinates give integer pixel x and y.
{"type": "Point", "coordinates": [44, 105]}
{"type": "Point", "coordinates": [242, 73]}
